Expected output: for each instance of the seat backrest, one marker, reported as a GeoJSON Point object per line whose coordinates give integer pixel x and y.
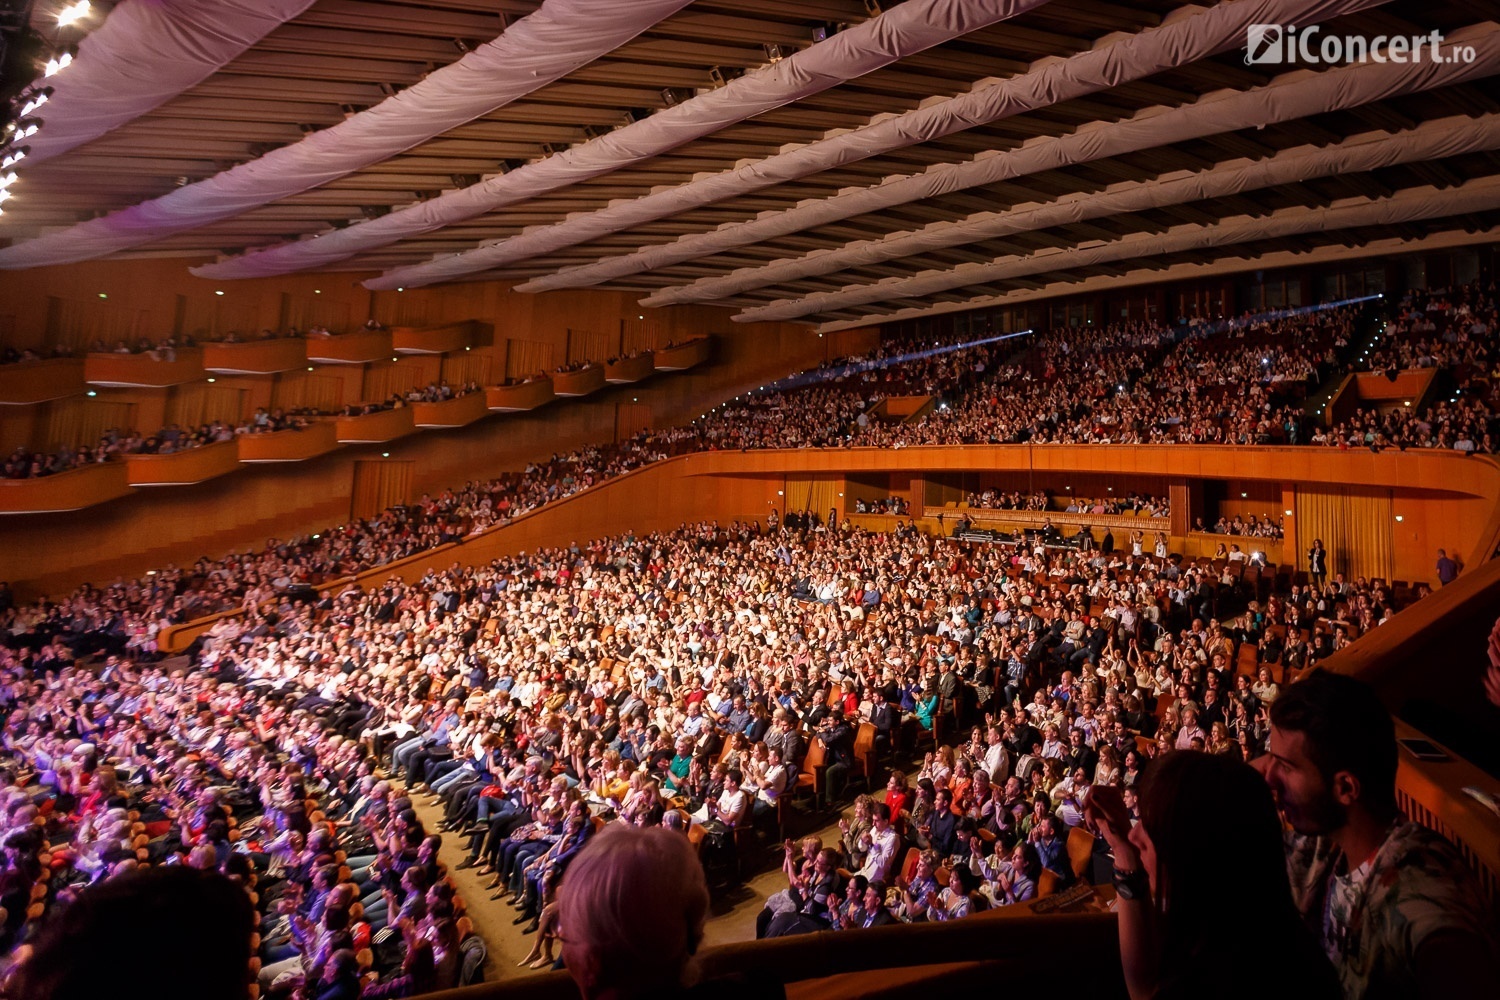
{"type": "Point", "coordinates": [1080, 850]}
{"type": "Point", "coordinates": [864, 740]}
{"type": "Point", "coordinates": [817, 755]}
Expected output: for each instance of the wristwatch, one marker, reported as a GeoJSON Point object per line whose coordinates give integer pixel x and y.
{"type": "Point", "coordinates": [1132, 884]}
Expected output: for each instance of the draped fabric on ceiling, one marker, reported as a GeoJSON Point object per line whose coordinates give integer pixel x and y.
{"type": "Point", "coordinates": [1356, 527]}
{"type": "Point", "coordinates": [379, 485]}
{"type": "Point", "coordinates": [307, 390]}
{"type": "Point", "coordinates": [1428, 141]}
{"type": "Point", "coordinates": [1287, 98]}
{"type": "Point", "coordinates": [1409, 205]}
{"type": "Point", "coordinates": [561, 37]}
{"type": "Point", "coordinates": [913, 27]}
{"type": "Point", "coordinates": [113, 80]}
{"type": "Point", "coordinates": [200, 403]}
{"type": "Point", "coordinates": [1132, 57]}
{"type": "Point", "coordinates": [80, 421]}
{"type": "Point", "coordinates": [525, 358]}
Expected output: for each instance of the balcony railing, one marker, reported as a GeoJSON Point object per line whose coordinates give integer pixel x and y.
{"type": "Point", "coordinates": [675, 359]}
{"type": "Point", "coordinates": [39, 381]}
{"type": "Point", "coordinates": [373, 428]}
{"type": "Point", "coordinates": [435, 339]}
{"type": "Point", "coordinates": [518, 397]}
{"type": "Point", "coordinates": [74, 490]}
{"type": "Point", "coordinates": [630, 369]}
{"type": "Point", "coordinates": [182, 468]}
{"type": "Point", "coordinates": [136, 371]}
{"type": "Point", "coordinates": [289, 446]}
{"type": "Point", "coordinates": [585, 380]}
{"type": "Point", "coordinates": [454, 412]}
{"type": "Point", "coordinates": [257, 357]}
{"type": "Point", "coordinates": [350, 348]}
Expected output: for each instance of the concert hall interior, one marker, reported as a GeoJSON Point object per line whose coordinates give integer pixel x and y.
{"type": "Point", "coordinates": [550, 499]}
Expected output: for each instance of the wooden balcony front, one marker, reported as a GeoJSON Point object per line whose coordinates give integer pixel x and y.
{"type": "Point", "coordinates": [350, 348]}
{"type": "Point", "coordinates": [435, 339]}
{"type": "Point", "coordinates": [454, 412]}
{"type": "Point", "coordinates": [521, 396]}
{"type": "Point", "coordinates": [630, 369]}
{"type": "Point", "coordinates": [39, 381]}
{"type": "Point", "coordinates": [137, 371]}
{"type": "Point", "coordinates": [289, 446]}
{"type": "Point", "coordinates": [1409, 384]}
{"type": "Point", "coordinates": [589, 378]}
{"type": "Point", "coordinates": [373, 428]}
{"type": "Point", "coordinates": [682, 356]}
{"type": "Point", "coordinates": [182, 467]}
{"type": "Point", "coordinates": [65, 491]}
{"type": "Point", "coordinates": [256, 357]}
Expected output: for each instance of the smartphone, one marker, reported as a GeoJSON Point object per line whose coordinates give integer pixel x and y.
{"type": "Point", "coordinates": [1424, 749]}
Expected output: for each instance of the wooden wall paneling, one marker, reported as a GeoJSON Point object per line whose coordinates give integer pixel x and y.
{"type": "Point", "coordinates": [54, 553]}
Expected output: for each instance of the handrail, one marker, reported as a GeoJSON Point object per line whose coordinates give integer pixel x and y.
{"type": "Point", "coordinates": [996, 936]}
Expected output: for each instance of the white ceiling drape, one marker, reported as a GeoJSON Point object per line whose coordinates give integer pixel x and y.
{"type": "Point", "coordinates": [555, 40]}
{"type": "Point", "coordinates": [143, 55]}
{"type": "Point", "coordinates": [1442, 137]}
{"type": "Point", "coordinates": [901, 31]}
{"type": "Point", "coordinates": [1410, 205]}
{"type": "Point", "coordinates": [1290, 97]}
{"type": "Point", "coordinates": [1350, 87]}
{"type": "Point", "coordinates": [1191, 34]}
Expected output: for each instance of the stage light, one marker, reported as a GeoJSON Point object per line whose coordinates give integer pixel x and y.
{"type": "Point", "coordinates": [77, 12]}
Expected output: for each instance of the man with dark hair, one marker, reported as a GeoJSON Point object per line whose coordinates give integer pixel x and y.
{"type": "Point", "coordinates": [188, 928]}
{"type": "Point", "coordinates": [1392, 902]}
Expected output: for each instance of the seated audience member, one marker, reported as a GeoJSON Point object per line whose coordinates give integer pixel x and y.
{"type": "Point", "coordinates": [631, 911]}
{"type": "Point", "coordinates": [1181, 932]}
{"type": "Point", "coordinates": [1393, 903]}
{"type": "Point", "coordinates": [186, 932]}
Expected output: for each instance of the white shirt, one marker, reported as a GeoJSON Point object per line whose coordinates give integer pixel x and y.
{"type": "Point", "coordinates": [878, 862]}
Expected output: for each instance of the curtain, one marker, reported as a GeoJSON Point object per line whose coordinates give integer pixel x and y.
{"type": "Point", "coordinates": [81, 420]}
{"type": "Point", "coordinates": [822, 496]}
{"type": "Point", "coordinates": [631, 419]}
{"type": "Point", "coordinates": [816, 495]}
{"type": "Point", "coordinates": [384, 378]}
{"type": "Point", "coordinates": [1355, 526]}
{"type": "Point", "coordinates": [466, 367]}
{"type": "Point", "coordinates": [307, 390]}
{"type": "Point", "coordinates": [524, 358]}
{"type": "Point", "coordinates": [379, 485]}
{"type": "Point", "coordinates": [78, 323]}
{"type": "Point", "coordinates": [588, 345]}
{"type": "Point", "coordinates": [200, 403]}
{"type": "Point", "coordinates": [795, 495]}
{"type": "Point", "coordinates": [307, 311]}
{"type": "Point", "coordinates": [641, 334]}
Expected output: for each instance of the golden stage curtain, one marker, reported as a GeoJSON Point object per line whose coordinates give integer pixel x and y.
{"type": "Point", "coordinates": [588, 345]}
{"type": "Point", "coordinates": [379, 485]}
{"type": "Point", "coordinates": [82, 420]}
{"type": "Point", "coordinates": [1356, 527]}
{"type": "Point", "coordinates": [641, 335]}
{"type": "Point", "coordinates": [525, 358]}
{"type": "Point", "coordinates": [466, 367]}
{"type": "Point", "coordinates": [79, 322]}
{"type": "Point", "coordinates": [631, 419]}
{"type": "Point", "coordinates": [199, 403]}
{"type": "Point", "coordinates": [299, 390]}
{"type": "Point", "coordinates": [816, 495]}
{"type": "Point", "coordinates": [384, 378]}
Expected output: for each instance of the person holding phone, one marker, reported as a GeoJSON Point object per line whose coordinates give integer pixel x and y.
{"type": "Point", "coordinates": [1181, 923]}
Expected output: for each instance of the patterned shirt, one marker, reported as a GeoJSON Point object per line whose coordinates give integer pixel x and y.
{"type": "Point", "coordinates": [1372, 920]}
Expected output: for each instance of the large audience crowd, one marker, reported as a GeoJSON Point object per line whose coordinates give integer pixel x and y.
{"type": "Point", "coordinates": [684, 679]}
